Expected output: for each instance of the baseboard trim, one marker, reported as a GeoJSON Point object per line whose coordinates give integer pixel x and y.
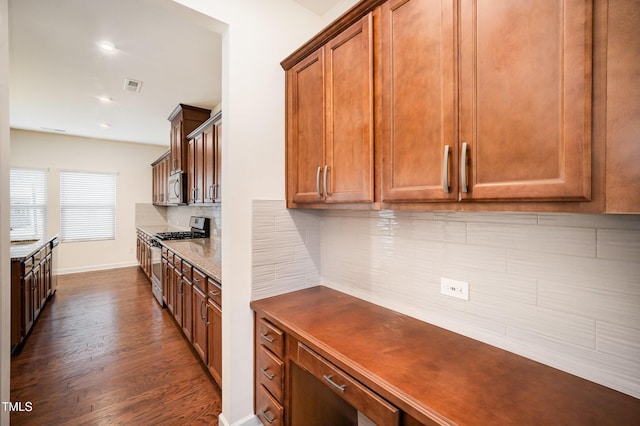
{"type": "Point", "coordinates": [66, 271]}
{"type": "Point", "coordinates": [250, 420]}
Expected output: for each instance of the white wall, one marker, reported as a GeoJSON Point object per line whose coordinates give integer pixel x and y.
{"type": "Point", "coordinates": [131, 161]}
{"type": "Point", "coordinates": [259, 35]}
{"type": "Point", "coordinates": [5, 259]}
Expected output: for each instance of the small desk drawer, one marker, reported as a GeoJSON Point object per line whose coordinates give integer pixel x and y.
{"type": "Point", "coordinates": [268, 409]}
{"type": "Point", "coordinates": [352, 391]}
{"type": "Point", "coordinates": [270, 337]}
{"type": "Point", "coordinates": [270, 372]}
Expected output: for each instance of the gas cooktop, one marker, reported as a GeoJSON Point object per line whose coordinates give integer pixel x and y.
{"type": "Point", "coordinates": [199, 229]}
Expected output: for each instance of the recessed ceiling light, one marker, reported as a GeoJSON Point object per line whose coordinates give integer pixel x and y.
{"type": "Point", "coordinates": [105, 99]}
{"type": "Point", "coordinates": [104, 125]}
{"type": "Point", "coordinates": [106, 46]}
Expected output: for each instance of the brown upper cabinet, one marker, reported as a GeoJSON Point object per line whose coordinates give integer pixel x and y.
{"type": "Point", "coordinates": [184, 120]}
{"type": "Point", "coordinates": [330, 120]}
{"type": "Point", "coordinates": [495, 105]}
{"type": "Point", "coordinates": [204, 171]}
{"type": "Point", "coordinates": [520, 95]}
{"type": "Point", "coordinates": [160, 173]}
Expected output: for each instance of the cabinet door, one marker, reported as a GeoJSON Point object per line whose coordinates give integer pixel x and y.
{"type": "Point", "coordinates": [187, 310]}
{"type": "Point", "coordinates": [525, 99]}
{"type": "Point", "coordinates": [418, 102]}
{"type": "Point", "coordinates": [177, 305]}
{"type": "Point", "coordinates": [176, 145]}
{"type": "Point", "coordinates": [208, 164]}
{"type": "Point", "coordinates": [305, 129]}
{"type": "Point", "coordinates": [165, 280]}
{"type": "Point", "coordinates": [214, 315]}
{"type": "Point", "coordinates": [217, 183]}
{"type": "Point", "coordinates": [348, 169]}
{"type": "Point", "coordinates": [28, 289]}
{"type": "Point", "coordinates": [199, 308]}
{"type": "Point", "coordinates": [36, 283]}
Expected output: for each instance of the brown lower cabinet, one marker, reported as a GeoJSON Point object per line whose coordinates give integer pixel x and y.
{"type": "Point", "coordinates": [323, 357]}
{"type": "Point", "coordinates": [194, 299]}
{"type": "Point", "coordinates": [31, 287]}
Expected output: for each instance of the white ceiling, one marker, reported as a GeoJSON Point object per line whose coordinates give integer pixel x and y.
{"type": "Point", "coordinates": [57, 70]}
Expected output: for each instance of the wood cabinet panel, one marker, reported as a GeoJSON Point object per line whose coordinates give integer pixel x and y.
{"type": "Point", "coordinates": [200, 328]}
{"type": "Point", "coordinates": [187, 308]}
{"type": "Point", "coordinates": [525, 99]}
{"type": "Point", "coordinates": [418, 101]}
{"type": "Point", "coordinates": [214, 316]}
{"type": "Point", "coordinates": [623, 107]}
{"type": "Point", "coordinates": [305, 128]}
{"type": "Point", "coordinates": [268, 410]}
{"type": "Point", "coordinates": [205, 162]}
{"type": "Point", "coordinates": [270, 372]}
{"type": "Point", "coordinates": [184, 120]}
{"type": "Point", "coordinates": [349, 115]}
{"type": "Point", "coordinates": [217, 176]}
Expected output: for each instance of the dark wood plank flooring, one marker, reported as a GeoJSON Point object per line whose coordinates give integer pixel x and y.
{"type": "Point", "coordinates": [104, 352]}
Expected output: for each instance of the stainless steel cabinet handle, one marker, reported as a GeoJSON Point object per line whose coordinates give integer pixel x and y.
{"type": "Point", "coordinates": [445, 170]}
{"type": "Point", "coordinates": [201, 316]}
{"type": "Point", "coordinates": [318, 181]}
{"type": "Point", "coordinates": [334, 384]}
{"type": "Point", "coordinates": [267, 418]}
{"type": "Point", "coordinates": [326, 172]}
{"type": "Point", "coordinates": [266, 374]}
{"type": "Point", "coordinates": [214, 293]}
{"type": "Point", "coordinates": [463, 167]}
{"type": "Point", "coordinates": [267, 338]}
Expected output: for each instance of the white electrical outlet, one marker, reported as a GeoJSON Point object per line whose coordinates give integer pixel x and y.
{"type": "Point", "coordinates": [454, 288]}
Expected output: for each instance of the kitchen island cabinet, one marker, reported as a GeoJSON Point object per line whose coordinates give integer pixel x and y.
{"type": "Point", "coordinates": [428, 374]}
{"type": "Point", "coordinates": [31, 286]}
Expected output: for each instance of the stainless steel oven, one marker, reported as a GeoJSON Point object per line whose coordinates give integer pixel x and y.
{"type": "Point", "coordinates": [156, 270]}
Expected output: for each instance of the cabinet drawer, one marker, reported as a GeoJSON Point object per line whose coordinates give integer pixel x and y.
{"type": "Point", "coordinates": [165, 252]}
{"type": "Point", "coordinates": [177, 262]}
{"type": "Point", "coordinates": [200, 280]}
{"type": "Point", "coordinates": [187, 270]}
{"type": "Point", "coordinates": [270, 337]}
{"type": "Point", "coordinates": [361, 398]}
{"type": "Point", "coordinates": [215, 292]}
{"type": "Point", "coordinates": [268, 409]}
{"type": "Point", "coordinates": [270, 372]}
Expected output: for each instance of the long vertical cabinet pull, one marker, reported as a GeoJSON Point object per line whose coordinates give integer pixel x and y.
{"type": "Point", "coordinates": [318, 190]}
{"type": "Point", "coordinates": [326, 172]}
{"type": "Point", "coordinates": [463, 167]}
{"type": "Point", "coordinates": [445, 169]}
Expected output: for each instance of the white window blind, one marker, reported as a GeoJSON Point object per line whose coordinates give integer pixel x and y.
{"type": "Point", "coordinates": [28, 204]}
{"type": "Point", "coordinates": [87, 206]}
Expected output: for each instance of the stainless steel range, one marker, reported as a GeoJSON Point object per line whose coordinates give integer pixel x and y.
{"type": "Point", "coordinates": [200, 228]}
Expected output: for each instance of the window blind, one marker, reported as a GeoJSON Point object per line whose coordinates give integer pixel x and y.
{"type": "Point", "coordinates": [28, 204]}
{"type": "Point", "coordinates": [87, 206]}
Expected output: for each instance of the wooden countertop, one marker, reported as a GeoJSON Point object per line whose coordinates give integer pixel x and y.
{"type": "Point", "coordinates": [437, 375]}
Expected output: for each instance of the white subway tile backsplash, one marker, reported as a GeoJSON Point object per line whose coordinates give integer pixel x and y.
{"type": "Point", "coordinates": [546, 239]}
{"type": "Point", "coordinates": [618, 340]}
{"type": "Point", "coordinates": [598, 303]}
{"type": "Point", "coordinates": [619, 244]}
{"type": "Point", "coordinates": [563, 289]}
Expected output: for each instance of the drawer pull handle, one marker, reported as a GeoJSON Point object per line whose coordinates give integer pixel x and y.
{"type": "Point", "coordinates": [214, 293]}
{"type": "Point", "coordinates": [334, 384]}
{"type": "Point", "coordinates": [266, 374]}
{"type": "Point", "coordinates": [267, 418]}
{"type": "Point", "coordinates": [463, 167]}
{"type": "Point", "coordinates": [445, 170]}
{"type": "Point", "coordinates": [267, 338]}
{"type": "Point", "coordinates": [318, 182]}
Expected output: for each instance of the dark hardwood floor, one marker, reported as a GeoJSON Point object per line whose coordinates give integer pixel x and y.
{"type": "Point", "coordinates": [105, 352]}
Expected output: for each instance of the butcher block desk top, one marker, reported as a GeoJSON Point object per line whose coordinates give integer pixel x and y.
{"type": "Point", "coordinates": [439, 376]}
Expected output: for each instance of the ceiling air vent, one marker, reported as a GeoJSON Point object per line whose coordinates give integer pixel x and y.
{"type": "Point", "coordinates": [132, 85]}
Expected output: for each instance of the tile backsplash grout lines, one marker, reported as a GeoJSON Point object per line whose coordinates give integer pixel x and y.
{"type": "Point", "coordinates": [563, 289]}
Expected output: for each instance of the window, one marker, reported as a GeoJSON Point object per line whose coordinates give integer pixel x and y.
{"type": "Point", "coordinates": [28, 204]}
{"type": "Point", "coordinates": [87, 206]}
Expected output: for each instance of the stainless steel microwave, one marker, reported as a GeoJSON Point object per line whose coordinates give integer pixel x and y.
{"type": "Point", "coordinates": [177, 188]}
